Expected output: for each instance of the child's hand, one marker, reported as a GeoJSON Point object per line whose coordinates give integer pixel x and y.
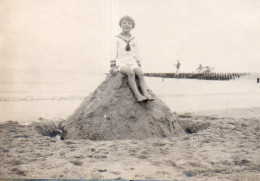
{"type": "Point", "coordinates": [139, 63]}
{"type": "Point", "coordinates": [113, 70]}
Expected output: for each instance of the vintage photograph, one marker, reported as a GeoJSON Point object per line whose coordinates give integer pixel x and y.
{"type": "Point", "coordinates": [130, 90]}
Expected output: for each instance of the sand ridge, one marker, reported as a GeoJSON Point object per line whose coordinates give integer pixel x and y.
{"type": "Point", "coordinates": [220, 148]}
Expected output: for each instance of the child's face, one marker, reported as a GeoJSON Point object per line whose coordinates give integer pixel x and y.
{"type": "Point", "coordinates": [127, 25]}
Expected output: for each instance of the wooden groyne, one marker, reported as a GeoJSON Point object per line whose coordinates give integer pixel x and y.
{"type": "Point", "coordinates": [200, 76]}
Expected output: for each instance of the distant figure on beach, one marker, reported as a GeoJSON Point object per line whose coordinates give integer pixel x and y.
{"type": "Point", "coordinates": [199, 69]}
{"type": "Point", "coordinates": [178, 65]}
{"type": "Point", "coordinates": [208, 70]}
{"type": "Point", "coordinates": [126, 59]}
{"type": "Point", "coordinates": [257, 80]}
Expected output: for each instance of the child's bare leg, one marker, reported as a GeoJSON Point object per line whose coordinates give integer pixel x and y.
{"type": "Point", "coordinates": [132, 84]}
{"type": "Point", "coordinates": [138, 71]}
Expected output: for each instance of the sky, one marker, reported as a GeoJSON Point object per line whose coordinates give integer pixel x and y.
{"type": "Point", "coordinates": [77, 34]}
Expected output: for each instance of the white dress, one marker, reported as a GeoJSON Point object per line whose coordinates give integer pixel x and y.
{"type": "Point", "coordinates": [122, 57]}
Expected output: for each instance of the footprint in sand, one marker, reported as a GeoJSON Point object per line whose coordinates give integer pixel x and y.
{"type": "Point", "coordinates": [101, 170]}
{"type": "Point", "coordinates": [76, 162]}
{"type": "Point", "coordinates": [15, 162]}
{"type": "Point", "coordinates": [143, 155]}
{"type": "Point", "coordinates": [116, 173]}
{"type": "Point", "coordinates": [158, 144]}
{"type": "Point", "coordinates": [19, 171]}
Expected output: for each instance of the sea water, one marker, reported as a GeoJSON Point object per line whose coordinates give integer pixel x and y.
{"type": "Point", "coordinates": [27, 95]}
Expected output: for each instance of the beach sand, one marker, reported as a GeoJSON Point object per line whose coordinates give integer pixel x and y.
{"type": "Point", "coordinates": [217, 145]}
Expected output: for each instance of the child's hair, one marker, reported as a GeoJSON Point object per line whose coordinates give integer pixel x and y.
{"type": "Point", "coordinates": [128, 18]}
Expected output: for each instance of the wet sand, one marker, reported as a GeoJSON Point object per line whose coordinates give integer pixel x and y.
{"type": "Point", "coordinates": [217, 145]}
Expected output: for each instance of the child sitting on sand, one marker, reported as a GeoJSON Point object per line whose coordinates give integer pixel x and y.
{"type": "Point", "coordinates": [127, 60]}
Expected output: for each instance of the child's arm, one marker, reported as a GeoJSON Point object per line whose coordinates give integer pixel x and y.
{"type": "Point", "coordinates": [113, 52]}
{"type": "Point", "coordinates": [113, 56]}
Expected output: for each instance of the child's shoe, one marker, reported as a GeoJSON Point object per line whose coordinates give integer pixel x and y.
{"type": "Point", "coordinates": [141, 98]}
{"type": "Point", "coordinates": [150, 98]}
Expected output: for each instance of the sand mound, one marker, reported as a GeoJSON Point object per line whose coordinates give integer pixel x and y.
{"type": "Point", "coordinates": [111, 112]}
